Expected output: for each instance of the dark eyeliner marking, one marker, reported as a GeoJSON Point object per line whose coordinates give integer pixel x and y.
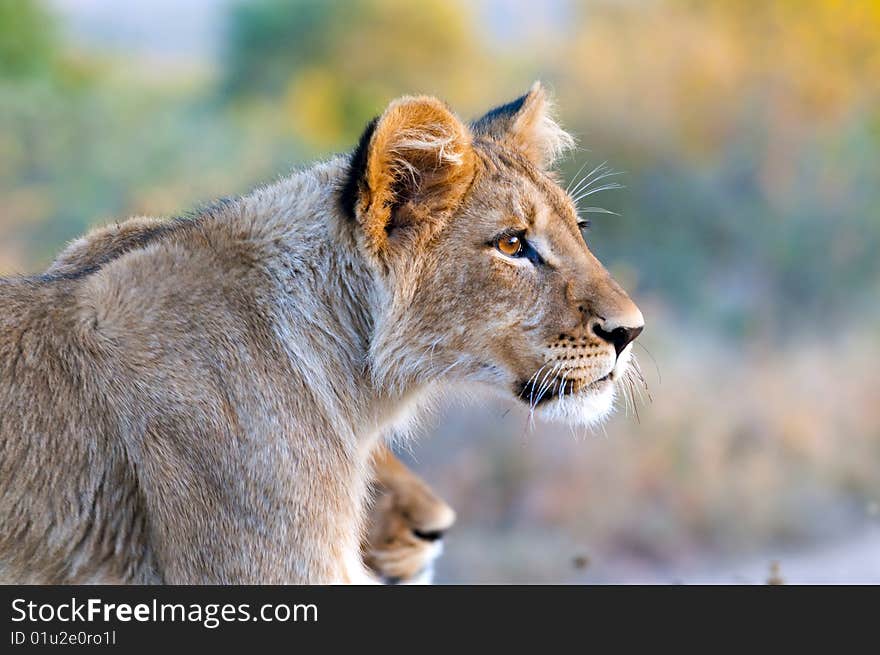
{"type": "Point", "coordinates": [527, 252]}
{"type": "Point", "coordinates": [584, 225]}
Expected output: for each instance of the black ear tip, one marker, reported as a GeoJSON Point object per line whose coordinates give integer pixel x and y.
{"type": "Point", "coordinates": [357, 169]}
{"type": "Point", "coordinates": [499, 119]}
{"type": "Point", "coordinates": [503, 113]}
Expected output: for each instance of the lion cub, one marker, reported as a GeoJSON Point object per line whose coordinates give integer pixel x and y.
{"type": "Point", "coordinates": [204, 405]}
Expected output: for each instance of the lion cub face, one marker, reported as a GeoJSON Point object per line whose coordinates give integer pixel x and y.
{"type": "Point", "coordinates": [489, 276]}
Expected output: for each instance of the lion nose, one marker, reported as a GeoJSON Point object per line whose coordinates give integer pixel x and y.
{"type": "Point", "coordinates": [619, 337]}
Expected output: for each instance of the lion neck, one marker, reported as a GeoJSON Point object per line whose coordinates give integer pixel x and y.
{"type": "Point", "coordinates": [331, 300]}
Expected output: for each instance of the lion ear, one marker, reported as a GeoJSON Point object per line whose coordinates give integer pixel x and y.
{"type": "Point", "coordinates": [527, 126]}
{"type": "Point", "coordinates": [410, 169]}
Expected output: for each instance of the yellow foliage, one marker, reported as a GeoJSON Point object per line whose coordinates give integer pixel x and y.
{"type": "Point", "coordinates": [313, 107]}
{"type": "Point", "coordinates": [694, 67]}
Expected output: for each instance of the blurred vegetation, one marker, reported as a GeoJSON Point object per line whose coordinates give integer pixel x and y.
{"type": "Point", "coordinates": [329, 67]}
{"type": "Point", "coordinates": [26, 39]}
{"type": "Point", "coordinates": [748, 134]}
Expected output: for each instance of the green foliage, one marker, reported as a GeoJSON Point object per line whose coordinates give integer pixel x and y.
{"type": "Point", "coordinates": [26, 39]}
{"type": "Point", "coordinates": [73, 158]}
{"type": "Point", "coordinates": [268, 39]}
{"type": "Point", "coordinates": [330, 66]}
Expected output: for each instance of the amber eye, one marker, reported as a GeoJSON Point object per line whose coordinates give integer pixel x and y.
{"type": "Point", "coordinates": [510, 245]}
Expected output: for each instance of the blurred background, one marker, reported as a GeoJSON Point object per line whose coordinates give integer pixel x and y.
{"type": "Point", "coordinates": [748, 137]}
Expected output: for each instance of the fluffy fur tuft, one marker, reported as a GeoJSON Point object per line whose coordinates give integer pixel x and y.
{"type": "Point", "coordinates": [418, 165]}
{"type": "Point", "coordinates": [527, 125]}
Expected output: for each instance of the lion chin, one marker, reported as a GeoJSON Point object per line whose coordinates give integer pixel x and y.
{"type": "Point", "coordinates": [584, 409]}
{"type": "Point", "coordinates": [584, 404]}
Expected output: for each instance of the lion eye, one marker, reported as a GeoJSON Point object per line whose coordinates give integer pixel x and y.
{"type": "Point", "coordinates": [584, 227]}
{"type": "Point", "coordinates": [510, 245]}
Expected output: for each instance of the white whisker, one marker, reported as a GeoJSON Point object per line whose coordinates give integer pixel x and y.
{"type": "Point", "coordinates": [596, 210]}
{"type": "Point", "coordinates": [541, 390]}
{"type": "Point", "coordinates": [592, 190]}
{"type": "Point", "coordinates": [605, 174]}
{"type": "Point", "coordinates": [549, 385]}
{"type": "Point", "coordinates": [575, 177]}
{"type": "Point", "coordinates": [531, 386]}
{"type": "Point", "coordinates": [588, 177]}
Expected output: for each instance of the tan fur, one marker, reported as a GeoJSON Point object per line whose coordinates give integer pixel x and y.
{"type": "Point", "coordinates": [531, 131]}
{"type": "Point", "coordinates": [104, 244]}
{"type": "Point", "coordinates": [204, 406]}
{"type": "Point", "coordinates": [405, 525]}
{"type": "Point", "coordinates": [406, 519]}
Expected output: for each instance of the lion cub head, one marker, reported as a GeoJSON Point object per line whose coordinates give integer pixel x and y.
{"type": "Point", "coordinates": [487, 275]}
{"type": "Point", "coordinates": [406, 524]}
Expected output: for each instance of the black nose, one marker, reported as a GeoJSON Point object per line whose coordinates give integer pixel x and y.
{"type": "Point", "coordinates": [429, 535]}
{"type": "Point", "coordinates": [620, 337]}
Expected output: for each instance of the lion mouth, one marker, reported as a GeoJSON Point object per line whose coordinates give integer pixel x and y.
{"type": "Point", "coordinates": [536, 392]}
